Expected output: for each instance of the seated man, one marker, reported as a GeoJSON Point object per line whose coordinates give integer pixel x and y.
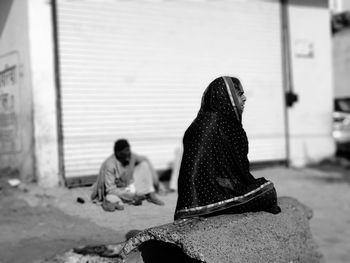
{"type": "Point", "coordinates": [125, 177]}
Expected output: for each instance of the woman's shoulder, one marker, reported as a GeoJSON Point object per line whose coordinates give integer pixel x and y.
{"type": "Point", "coordinates": [207, 116]}
{"type": "Point", "coordinates": [203, 121]}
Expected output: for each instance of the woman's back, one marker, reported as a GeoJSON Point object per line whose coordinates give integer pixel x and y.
{"type": "Point", "coordinates": [214, 173]}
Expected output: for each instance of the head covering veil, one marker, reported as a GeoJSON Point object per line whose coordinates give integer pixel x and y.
{"type": "Point", "coordinates": [217, 99]}
{"type": "Point", "coordinates": [214, 174]}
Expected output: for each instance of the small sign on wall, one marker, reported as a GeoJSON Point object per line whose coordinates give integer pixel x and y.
{"type": "Point", "coordinates": [304, 49]}
{"type": "Point", "coordinates": [10, 140]}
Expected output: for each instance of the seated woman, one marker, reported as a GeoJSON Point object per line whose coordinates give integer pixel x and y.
{"type": "Point", "coordinates": [214, 174]}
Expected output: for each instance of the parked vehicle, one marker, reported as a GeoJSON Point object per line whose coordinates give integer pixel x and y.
{"type": "Point", "coordinates": [341, 124]}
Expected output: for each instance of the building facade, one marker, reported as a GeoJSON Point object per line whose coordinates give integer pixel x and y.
{"type": "Point", "coordinates": [339, 6]}
{"type": "Point", "coordinates": [341, 63]}
{"type": "Point", "coordinates": [94, 71]}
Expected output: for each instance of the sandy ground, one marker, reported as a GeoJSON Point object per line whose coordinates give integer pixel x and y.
{"type": "Point", "coordinates": [37, 223]}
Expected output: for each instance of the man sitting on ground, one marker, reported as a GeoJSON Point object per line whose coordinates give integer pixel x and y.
{"type": "Point", "coordinates": [125, 177]}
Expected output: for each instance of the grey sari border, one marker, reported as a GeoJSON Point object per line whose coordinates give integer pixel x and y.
{"type": "Point", "coordinates": [235, 201]}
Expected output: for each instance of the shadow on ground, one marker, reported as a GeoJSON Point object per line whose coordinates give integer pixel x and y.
{"type": "Point", "coordinates": [338, 169]}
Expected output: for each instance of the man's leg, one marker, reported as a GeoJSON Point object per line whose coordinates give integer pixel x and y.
{"type": "Point", "coordinates": [129, 196]}
{"type": "Point", "coordinates": [113, 202]}
{"type": "Point", "coordinates": [143, 181]}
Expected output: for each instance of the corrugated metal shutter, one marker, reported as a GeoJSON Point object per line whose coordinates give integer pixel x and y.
{"type": "Point", "coordinates": [137, 69]}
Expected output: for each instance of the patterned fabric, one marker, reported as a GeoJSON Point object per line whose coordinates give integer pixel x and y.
{"type": "Point", "coordinates": [214, 174]}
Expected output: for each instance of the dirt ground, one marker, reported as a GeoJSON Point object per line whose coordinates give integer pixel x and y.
{"type": "Point", "coordinates": [37, 223]}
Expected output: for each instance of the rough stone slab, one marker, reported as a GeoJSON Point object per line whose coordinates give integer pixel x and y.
{"type": "Point", "coordinates": [249, 237]}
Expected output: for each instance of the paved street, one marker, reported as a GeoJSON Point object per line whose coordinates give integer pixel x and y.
{"type": "Point", "coordinates": [42, 222]}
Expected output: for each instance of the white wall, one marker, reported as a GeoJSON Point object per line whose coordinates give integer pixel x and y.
{"type": "Point", "coordinates": [310, 120]}
{"type": "Point", "coordinates": [44, 90]}
{"type": "Point", "coordinates": [338, 6]}
{"type": "Point", "coordinates": [26, 42]}
{"type": "Point", "coordinates": [16, 147]}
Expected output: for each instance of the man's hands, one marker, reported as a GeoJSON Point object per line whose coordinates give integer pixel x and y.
{"type": "Point", "coordinates": [120, 183]}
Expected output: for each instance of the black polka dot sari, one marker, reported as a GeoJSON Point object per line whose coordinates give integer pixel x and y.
{"type": "Point", "coordinates": [214, 175]}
